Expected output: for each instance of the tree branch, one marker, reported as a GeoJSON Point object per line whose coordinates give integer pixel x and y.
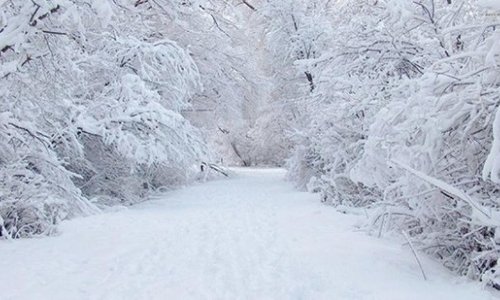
{"type": "Point", "coordinates": [249, 5]}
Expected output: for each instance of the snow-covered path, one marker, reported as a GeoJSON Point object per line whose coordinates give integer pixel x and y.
{"type": "Point", "coordinates": [249, 237]}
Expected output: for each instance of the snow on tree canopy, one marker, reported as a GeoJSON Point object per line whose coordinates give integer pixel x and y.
{"type": "Point", "coordinates": [387, 108]}
{"type": "Point", "coordinates": [93, 105]}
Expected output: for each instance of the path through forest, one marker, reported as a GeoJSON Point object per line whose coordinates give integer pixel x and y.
{"type": "Point", "coordinates": [249, 237]}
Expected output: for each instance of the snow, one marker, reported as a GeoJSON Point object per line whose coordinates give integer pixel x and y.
{"type": "Point", "coordinates": [494, 4]}
{"type": "Point", "coordinates": [492, 164]}
{"type": "Point", "coordinates": [249, 237]}
{"type": "Point", "coordinates": [104, 11]}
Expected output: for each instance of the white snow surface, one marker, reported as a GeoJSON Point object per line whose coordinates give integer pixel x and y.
{"type": "Point", "coordinates": [249, 237]}
{"type": "Point", "coordinates": [494, 4]}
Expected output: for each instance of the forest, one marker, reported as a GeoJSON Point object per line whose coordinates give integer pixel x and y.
{"type": "Point", "coordinates": [385, 108]}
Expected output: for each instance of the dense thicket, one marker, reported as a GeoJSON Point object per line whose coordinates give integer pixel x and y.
{"type": "Point", "coordinates": [94, 94]}
{"type": "Point", "coordinates": [400, 117]}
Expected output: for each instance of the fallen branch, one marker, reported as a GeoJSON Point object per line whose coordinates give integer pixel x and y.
{"type": "Point", "coordinates": [216, 168]}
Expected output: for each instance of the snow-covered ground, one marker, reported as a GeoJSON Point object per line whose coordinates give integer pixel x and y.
{"type": "Point", "coordinates": [249, 237]}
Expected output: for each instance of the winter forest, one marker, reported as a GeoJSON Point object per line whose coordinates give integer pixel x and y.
{"type": "Point", "coordinates": [386, 109]}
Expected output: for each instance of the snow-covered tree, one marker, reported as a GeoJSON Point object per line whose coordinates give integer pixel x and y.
{"type": "Point", "coordinates": [401, 120]}
{"type": "Point", "coordinates": [93, 105]}
{"type": "Point", "coordinates": [427, 150]}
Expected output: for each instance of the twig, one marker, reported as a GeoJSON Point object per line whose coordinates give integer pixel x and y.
{"type": "Point", "coordinates": [249, 5]}
{"type": "Point", "coordinates": [415, 254]}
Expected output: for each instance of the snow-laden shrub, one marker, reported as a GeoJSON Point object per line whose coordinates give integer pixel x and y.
{"type": "Point", "coordinates": [36, 190]}
{"type": "Point", "coordinates": [403, 122]}
{"type": "Point", "coordinates": [134, 132]}
{"type": "Point", "coordinates": [441, 126]}
{"type": "Point", "coordinates": [353, 81]}
{"type": "Point", "coordinates": [91, 102]}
